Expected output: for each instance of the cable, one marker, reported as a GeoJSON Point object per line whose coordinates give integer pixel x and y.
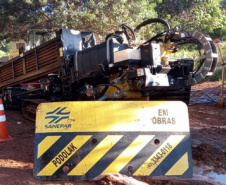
{"type": "Point", "coordinates": [118, 88]}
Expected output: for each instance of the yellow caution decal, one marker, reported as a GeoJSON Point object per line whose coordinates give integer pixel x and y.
{"type": "Point", "coordinates": [81, 140]}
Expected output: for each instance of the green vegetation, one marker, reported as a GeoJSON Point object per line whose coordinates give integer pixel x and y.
{"type": "Point", "coordinates": [217, 76]}
{"type": "Point", "coordinates": [2, 54]}
{"type": "Point", "coordinates": [5, 50]}
{"type": "Point", "coordinates": [103, 17]}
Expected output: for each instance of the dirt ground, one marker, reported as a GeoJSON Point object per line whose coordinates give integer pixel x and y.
{"type": "Point", "coordinates": [208, 138]}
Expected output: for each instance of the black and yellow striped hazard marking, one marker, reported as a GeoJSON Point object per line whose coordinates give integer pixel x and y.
{"type": "Point", "coordinates": [69, 150]}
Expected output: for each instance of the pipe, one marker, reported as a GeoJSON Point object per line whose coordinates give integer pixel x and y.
{"type": "Point", "coordinates": [221, 97]}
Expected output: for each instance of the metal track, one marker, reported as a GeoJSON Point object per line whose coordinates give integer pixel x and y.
{"type": "Point", "coordinates": [29, 108]}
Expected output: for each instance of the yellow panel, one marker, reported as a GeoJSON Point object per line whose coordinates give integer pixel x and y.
{"type": "Point", "coordinates": [45, 144]}
{"type": "Point", "coordinates": [95, 155]}
{"type": "Point", "coordinates": [128, 154]}
{"type": "Point", "coordinates": [180, 166]}
{"type": "Point", "coordinates": [122, 116]}
{"type": "Point", "coordinates": [64, 155]}
{"type": "Point", "coordinates": [159, 155]}
{"type": "Point", "coordinates": [61, 51]}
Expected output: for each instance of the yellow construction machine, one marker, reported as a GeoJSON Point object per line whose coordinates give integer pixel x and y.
{"type": "Point", "coordinates": [96, 125]}
{"type": "Point", "coordinates": [73, 67]}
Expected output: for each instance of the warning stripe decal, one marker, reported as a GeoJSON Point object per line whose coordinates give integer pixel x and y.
{"type": "Point", "coordinates": [45, 144]}
{"type": "Point", "coordinates": [2, 118]}
{"type": "Point", "coordinates": [65, 154]}
{"type": "Point", "coordinates": [159, 155]}
{"type": "Point", "coordinates": [128, 154]}
{"type": "Point", "coordinates": [1, 107]}
{"type": "Point", "coordinates": [180, 166]}
{"type": "Point", "coordinates": [95, 155]}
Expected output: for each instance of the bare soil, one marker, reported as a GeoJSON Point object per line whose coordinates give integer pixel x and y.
{"type": "Point", "coordinates": [208, 137]}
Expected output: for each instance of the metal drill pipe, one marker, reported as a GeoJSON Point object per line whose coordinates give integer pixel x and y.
{"type": "Point", "coordinates": [223, 69]}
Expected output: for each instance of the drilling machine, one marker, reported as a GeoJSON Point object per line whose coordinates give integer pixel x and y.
{"type": "Point", "coordinates": [72, 67]}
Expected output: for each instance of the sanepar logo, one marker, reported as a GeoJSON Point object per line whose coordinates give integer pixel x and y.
{"type": "Point", "coordinates": [56, 116]}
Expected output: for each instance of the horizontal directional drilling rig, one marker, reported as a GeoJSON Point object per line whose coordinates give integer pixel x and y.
{"type": "Point", "coordinates": [72, 67]}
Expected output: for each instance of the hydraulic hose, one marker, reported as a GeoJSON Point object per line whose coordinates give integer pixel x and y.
{"type": "Point", "coordinates": [156, 20]}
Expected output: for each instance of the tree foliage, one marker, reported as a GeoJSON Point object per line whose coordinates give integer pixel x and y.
{"type": "Point", "coordinates": [104, 16]}
{"type": "Point", "coordinates": [17, 16]}
{"type": "Point", "coordinates": [207, 16]}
